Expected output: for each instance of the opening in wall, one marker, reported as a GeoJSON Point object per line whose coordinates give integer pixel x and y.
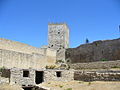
{"type": "Point", "coordinates": [58, 74]}
{"type": "Point", "coordinates": [27, 88]}
{"type": "Point", "coordinates": [39, 77]}
{"type": "Point", "coordinates": [51, 45]}
{"type": "Point", "coordinates": [26, 73]}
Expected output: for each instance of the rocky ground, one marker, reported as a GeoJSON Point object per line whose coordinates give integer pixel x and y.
{"type": "Point", "coordinates": [72, 85]}
{"type": "Point", "coordinates": [79, 85]}
{"type": "Point", "coordinates": [10, 87]}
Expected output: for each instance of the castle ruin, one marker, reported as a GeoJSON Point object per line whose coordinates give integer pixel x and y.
{"type": "Point", "coordinates": [15, 54]}
{"type": "Point", "coordinates": [27, 65]}
{"type": "Point", "coordinates": [58, 39]}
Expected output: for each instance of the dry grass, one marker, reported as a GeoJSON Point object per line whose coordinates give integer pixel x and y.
{"type": "Point", "coordinates": [72, 85]}
{"type": "Point", "coordinates": [10, 87]}
{"type": "Point", "coordinates": [77, 85]}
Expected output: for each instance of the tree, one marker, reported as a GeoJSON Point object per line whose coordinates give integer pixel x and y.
{"type": "Point", "coordinates": [87, 41]}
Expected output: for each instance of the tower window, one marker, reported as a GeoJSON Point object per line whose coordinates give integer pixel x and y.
{"type": "Point", "coordinates": [51, 45]}
{"type": "Point", "coordinates": [26, 73]}
{"type": "Point", "coordinates": [58, 74]}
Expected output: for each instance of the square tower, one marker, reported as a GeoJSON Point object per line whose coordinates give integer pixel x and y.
{"type": "Point", "coordinates": [58, 39]}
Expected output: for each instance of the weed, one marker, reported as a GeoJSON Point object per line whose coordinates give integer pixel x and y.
{"type": "Point", "coordinates": [89, 83]}
{"type": "Point", "coordinates": [69, 89]}
{"type": "Point", "coordinates": [60, 86]}
{"type": "Point", "coordinates": [79, 82]}
{"type": "Point", "coordinates": [2, 68]}
{"type": "Point", "coordinates": [49, 83]}
{"type": "Point", "coordinates": [103, 59]}
{"type": "Point", "coordinates": [115, 67]}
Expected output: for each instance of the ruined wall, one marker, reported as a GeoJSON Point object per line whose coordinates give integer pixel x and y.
{"type": "Point", "coordinates": [17, 77]}
{"type": "Point", "coordinates": [10, 59]}
{"type": "Point", "coordinates": [4, 80]}
{"type": "Point", "coordinates": [19, 47]}
{"type": "Point", "coordinates": [97, 75]}
{"type": "Point", "coordinates": [51, 75]}
{"type": "Point", "coordinates": [96, 65]}
{"type": "Point", "coordinates": [96, 51]}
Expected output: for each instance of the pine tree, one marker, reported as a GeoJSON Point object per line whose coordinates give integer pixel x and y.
{"type": "Point", "coordinates": [87, 41]}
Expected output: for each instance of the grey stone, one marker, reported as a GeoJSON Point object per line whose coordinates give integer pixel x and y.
{"type": "Point", "coordinates": [107, 50]}
{"type": "Point", "coordinates": [58, 39]}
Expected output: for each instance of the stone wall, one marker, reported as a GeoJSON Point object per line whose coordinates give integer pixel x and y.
{"type": "Point", "coordinates": [96, 65]}
{"type": "Point", "coordinates": [51, 56]}
{"type": "Point", "coordinates": [17, 77]}
{"type": "Point", "coordinates": [4, 80]}
{"type": "Point", "coordinates": [51, 75]}
{"type": "Point", "coordinates": [97, 75]}
{"type": "Point", "coordinates": [97, 51]}
{"type": "Point", "coordinates": [4, 76]}
{"type": "Point", "coordinates": [58, 39]}
{"type": "Point", "coordinates": [10, 59]}
{"type": "Point", "coordinates": [48, 75]}
{"type": "Point", "coordinates": [16, 54]}
{"type": "Point", "coordinates": [19, 47]}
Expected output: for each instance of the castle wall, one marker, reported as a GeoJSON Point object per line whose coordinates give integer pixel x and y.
{"type": "Point", "coordinates": [97, 51]}
{"type": "Point", "coordinates": [51, 56]}
{"type": "Point", "coordinates": [10, 59]}
{"type": "Point", "coordinates": [96, 65]}
{"type": "Point", "coordinates": [19, 47]}
{"type": "Point", "coordinates": [97, 75]}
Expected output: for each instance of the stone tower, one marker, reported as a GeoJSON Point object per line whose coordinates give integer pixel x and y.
{"type": "Point", "coordinates": [58, 39]}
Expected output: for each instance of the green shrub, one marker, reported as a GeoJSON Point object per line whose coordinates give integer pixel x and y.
{"type": "Point", "coordinates": [60, 86]}
{"type": "Point", "coordinates": [49, 83]}
{"type": "Point", "coordinates": [2, 68]}
{"type": "Point", "coordinates": [69, 89]}
{"type": "Point", "coordinates": [89, 83]}
{"type": "Point", "coordinates": [115, 67]}
{"type": "Point", "coordinates": [103, 59]}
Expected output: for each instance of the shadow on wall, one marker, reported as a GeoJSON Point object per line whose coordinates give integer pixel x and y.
{"type": "Point", "coordinates": [97, 51]}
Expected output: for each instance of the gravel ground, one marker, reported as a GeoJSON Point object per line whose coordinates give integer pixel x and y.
{"type": "Point", "coordinates": [78, 85]}
{"type": "Point", "coordinates": [10, 87]}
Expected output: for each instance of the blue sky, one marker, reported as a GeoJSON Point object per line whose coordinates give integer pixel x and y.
{"type": "Point", "coordinates": [27, 20]}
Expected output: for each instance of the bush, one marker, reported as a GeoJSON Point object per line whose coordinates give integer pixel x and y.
{"type": "Point", "coordinates": [2, 68]}
{"type": "Point", "coordinates": [89, 83]}
{"type": "Point", "coordinates": [115, 67]}
{"type": "Point", "coordinates": [104, 59]}
{"type": "Point", "coordinates": [60, 86]}
{"type": "Point", "coordinates": [69, 89]}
